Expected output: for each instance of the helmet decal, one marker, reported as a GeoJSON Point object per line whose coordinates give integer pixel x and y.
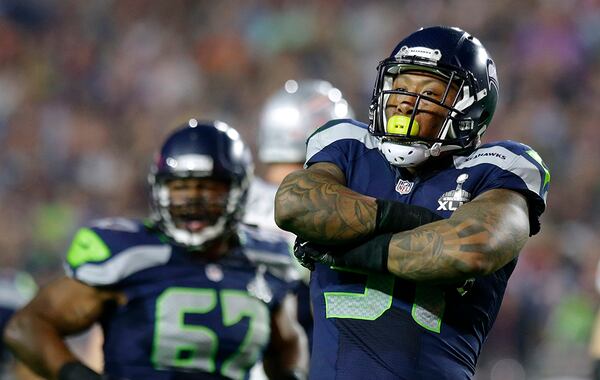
{"type": "Point", "coordinates": [428, 54]}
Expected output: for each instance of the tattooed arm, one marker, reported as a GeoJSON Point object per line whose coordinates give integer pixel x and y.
{"type": "Point", "coordinates": [479, 238]}
{"type": "Point", "coordinates": [316, 205]}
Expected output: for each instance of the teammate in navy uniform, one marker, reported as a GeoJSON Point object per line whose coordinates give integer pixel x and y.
{"type": "Point", "coordinates": [189, 294]}
{"type": "Point", "coordinates": [411, 225]}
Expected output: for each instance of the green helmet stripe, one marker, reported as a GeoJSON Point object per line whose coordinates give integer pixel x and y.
{"type": "Point", "coordinates": [87, 247]}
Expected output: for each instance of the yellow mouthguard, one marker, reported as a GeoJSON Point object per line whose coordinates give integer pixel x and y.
{"type": "Point", "coordinates": [398, 125]}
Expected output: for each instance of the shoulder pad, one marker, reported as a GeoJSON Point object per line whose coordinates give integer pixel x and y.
{"type": "Point", "coordinates": [517, 158]}
{"type": "Point", "coordinates": [106, 253]}
{"type": "Point", "coordinates": [335, 130]}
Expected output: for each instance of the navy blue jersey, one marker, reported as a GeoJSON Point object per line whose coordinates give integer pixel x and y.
{"type": "Point", "coordinates": [185, 317]}
{"type": "Point", "coordinates": [378, 326]}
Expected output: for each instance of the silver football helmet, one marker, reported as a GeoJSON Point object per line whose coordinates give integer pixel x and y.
{"type": "Point", "coordinates": [292, 114]}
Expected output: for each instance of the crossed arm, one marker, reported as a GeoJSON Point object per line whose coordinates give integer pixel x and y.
{"type": "Point", "coordinates": [479, 238]}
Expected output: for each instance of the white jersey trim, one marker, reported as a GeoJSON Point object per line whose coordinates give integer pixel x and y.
{"type": "Point", "coordinates": [127, 262]}
{"type": "Point", "coordinates": [340, 131]}
{"type": "Point", "coordinates": [505, 160]}
{"type": "Point", "coordinates": [260, 206]}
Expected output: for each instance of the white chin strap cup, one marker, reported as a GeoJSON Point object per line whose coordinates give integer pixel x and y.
{"type": "Point", "coordinates": [405, 155]}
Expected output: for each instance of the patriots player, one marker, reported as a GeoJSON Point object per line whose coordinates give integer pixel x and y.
{"type": "Point", "coordinates": [288, 117]}
{"type": "Point", "coordinates": [189, 294]}
{"type": "Point", "coordinates": [413, 227]}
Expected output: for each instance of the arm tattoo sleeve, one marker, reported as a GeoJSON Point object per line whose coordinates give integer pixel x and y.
{"type": "Point", "coordinates": [479, 238]}
{"type": "Point", "coordinates": [316, 205]}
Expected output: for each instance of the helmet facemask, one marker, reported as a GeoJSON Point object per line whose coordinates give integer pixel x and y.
{"type": "Point", "coordinates": [400, 141]}
{"type": "Point", "coordinates": [195, 221]}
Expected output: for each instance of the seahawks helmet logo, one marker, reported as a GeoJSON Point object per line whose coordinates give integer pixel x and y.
{"type": "Point", "coordinates": [419, 52]}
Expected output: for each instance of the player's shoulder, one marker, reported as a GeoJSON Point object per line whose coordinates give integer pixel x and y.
{"type": "Point", "coordinates": [108, 250]}
{"type": "Point", "coordinates": [515, 147]}
{"type": "Point", "coordinates": [340, 125]}
{"type": "Point", "coordinates": [340, 130]}
{"type": "Point", "coordinates": [510, 164]}
{"type": "Point", "coordinates": [506, 154]}
{"type": "Point", "coordinates": [269, 248]}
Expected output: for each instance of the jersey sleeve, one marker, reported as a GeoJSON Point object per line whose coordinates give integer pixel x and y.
{"type": "Point", "coordinates": [521, 170]}
{"type": "Point", "coordinates": [106, 254]}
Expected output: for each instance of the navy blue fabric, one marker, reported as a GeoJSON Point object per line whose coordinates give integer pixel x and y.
{"type": "Point", "coordinates": [395, 345]}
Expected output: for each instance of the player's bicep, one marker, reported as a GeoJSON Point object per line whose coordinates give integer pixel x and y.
{"type": "Point", "coordinates": [328, 170]}
{"type": "Point", "coordinates": [69, 305]}
{"type": "Point", "coordinates": [498, 219]}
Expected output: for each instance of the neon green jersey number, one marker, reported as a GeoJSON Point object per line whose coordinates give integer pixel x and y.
{"type": "Point", "coordinates": [369, 305]}
{"type": "Point", "coordinates": [194, 347]}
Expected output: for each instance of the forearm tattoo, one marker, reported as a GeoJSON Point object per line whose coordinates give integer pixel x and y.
{"type": "Point", "coordinates": [324, 211]}
{"type": "Point", "coordinates": [481, 237]}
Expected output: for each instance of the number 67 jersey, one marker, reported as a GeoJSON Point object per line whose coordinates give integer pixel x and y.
{"type": "Point", "coordinates": [378, 326]}
{"type": "Point", "coordinates": [185, 317]}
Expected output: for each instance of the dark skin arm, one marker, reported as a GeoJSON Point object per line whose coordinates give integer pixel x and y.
{"type": "Point", "coordinates": [316, 205]}
{"type": "Point", "coordinates": [288, 348]}
{"type": "Point", "coordinates": [479, 238]}
{"type": "Point", "coordinates": [35, 334]}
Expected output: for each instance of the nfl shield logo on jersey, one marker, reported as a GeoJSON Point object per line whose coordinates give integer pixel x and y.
{"type": "Point", "coordinates": [451, 200]}
{"type": "Point", "coordinates": [404, 187]}
{"type": "Point", "coordinates": [214, 272]}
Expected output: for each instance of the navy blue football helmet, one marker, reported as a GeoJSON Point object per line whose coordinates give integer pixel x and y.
{"type": "Point", "coordinates": [459, 59]}
{"type": "Point", "coordinates": [202, 150]}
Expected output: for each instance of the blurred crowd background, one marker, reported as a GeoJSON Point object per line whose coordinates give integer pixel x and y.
{"type": "Point", "coordinates": [89, 88]}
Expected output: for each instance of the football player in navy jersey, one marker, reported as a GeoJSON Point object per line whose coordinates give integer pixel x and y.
{"type": "Point", "coordinates": [412, 226]}
{"type": "Point", "coordinates": [189, 294]}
